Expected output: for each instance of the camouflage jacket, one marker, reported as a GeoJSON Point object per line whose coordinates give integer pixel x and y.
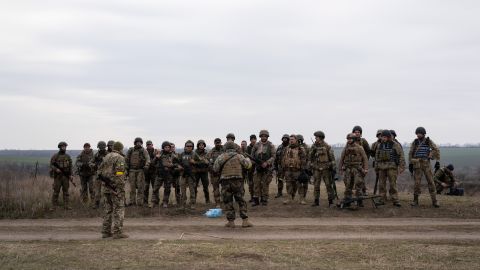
{"type": "Point", "coordinates": [82, 163]}
{"type": "Point", "coordinates": [62, 162]}
{"type": "Point", "coordinates": [353, 155]}
{"type": "Point", "coordinates": [366, 147]}
{"type": "Point", "coordinates": [322, 157]}
{"type": "Point", "coordinates": [230, 165]}
{"type": "Point", "coordinates": [166, 163]}
{"type": "Point", "coordinates": [264, 152]}
{"type": "Point", "coordinates": [151, 153]}
{"type": "Point", "coordinates": [294, 158]}
{"type": "Point", "coordinates": [113, 167]}
{"type": "Point", "coordinates": [389, 155]}
{"type": "Point", "coordinates": [137, 159]}
{"type": "Point", "coordinates": [201, 161]}
{"type": "Point", "coordinates": [277, 164]}
{"type": "Point", "coordinates": [373, 149]}
{"type": "Point", "coordinates": [97, 159]}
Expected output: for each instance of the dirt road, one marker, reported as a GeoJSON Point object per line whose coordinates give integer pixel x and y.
{"type": "Point", "coordinates": [200, 228]}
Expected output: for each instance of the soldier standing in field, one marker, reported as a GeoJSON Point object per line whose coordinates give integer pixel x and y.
{"type": "Point", "coordinates": [390, 162]}
{"type": "Point", "coordinates": [231, 138]}
{"type": "Point", "coordinates": [263, 154]}
{"type": "Point", "coordinates": [86, 173]}
{"type": "Point", "coordinates": [110, 146]}
{"type": "Point", "coordinates": [212, 156]}
{"type": "Point", "coordinates": [187, 178]}
{"type": "Point", "coordinates": [137, 162]}
{"type": "Point", "coordinates": [150, 173]}
{"type": "Point", "coordinates": [166, 163]}
{"type": "Point", "coordinates": [95, 164]}
{"type": "Point", "coordinates": [113, 168]}
{"type": "Point", "coordinates": [306, 175]}
{"type": "Point", "coordinates": [373, 150]}
{"type": "Point", "coordinates": [250, 172]}
{"type": "Point", "coordinates": [294, 162]}
{"type": "Point", "coordinates": [353, 166]}
{"type": "Point", "coordinates": [200, 168]}
{"type": "Point", "coordinates": [422, 150]}
{"type": "Point", "coordinates": [176, 176]}
{"type": "Point", "coordinates": [230, 166]}
{"type": "Point", "coordinates": [61, 171]}
{"type": "Point", "coordinates": [278, 166]}
{"type": "Point", "coordinates": [323, 164]}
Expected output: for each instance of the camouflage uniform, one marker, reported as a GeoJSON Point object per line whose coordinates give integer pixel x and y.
{"type": "Point", "coordinates": [200, 169]}
{"type": "Point", "coordinates": [214, 177]}
{"type": "Point", "coordinates": [86, 175]}
{"type": "Point", "coordinates": [113, 167]}
{"type": "Point", "coordinates": [230, 165]}
{"type": "Point", "coordinates": [166, 163]}
{"type": "Point", "coordinates": [176, 182]}
{"type": "Point", "coordinates": [304, 185]}
{"type": "Point", "coordinates": [390, 160]}
{"type": "Point", "coordinates": [264, 152]}
{"type": "Point", "coordinates": [278, 166]}
{"type": "Point", "coordinates": [187, 179]}
{"type": "Point", "coordinates": [354, 163]}
{"type": "Point", "coordinates": [150, 174]}
{"type": "Point", "coordinates": [442, 177]}
{"type": "Point", "coordinates": [294, 162]}
{"type": "Point", "coordinates": [323, 163]}
{"type": "Point", "coordinates": [61, 180]}
{"type": "Point", "coordinates": [136, 162]}
{"type": "Point", "coordinates": [95, 164]}
{"type": "Point", "coordinates": [419, 157]}
{"type": "Point", "coordinates": [250, 173]}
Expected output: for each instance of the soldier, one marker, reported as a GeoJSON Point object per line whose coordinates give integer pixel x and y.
{"type": "Point", "coordinates": [444, 179]}
{"type": "Point", "coordinates": [137, 162]}
{"type": "Point", "coordinates": [214, 177]}
{"type": "Point", "coordinates": [373, 150]}
{"type": "Point", "coordinates": [187, 179]}
{"type": "Point", "coordinates": [422, 150]}
{"type": "Point", "coordinates": [250, 172]}
{"type": "Point", "coordinates": [294, 162]}
{"type": "Point", "coordinates": [307, 174]}
{"type": "Point", "coordinates": [61, 171]}
{"type": "Point", "coordinates": [110, 146]}
{"type": "Point", "coordinates": [86, 173]}
{"type": "Point", "coordinates": [166, 163]}
{"type": "Point", "coordinates": [95, 164]}
{"type": "Point", "coordinates": [230, 166]}
{"type": "Point", "coordinates": [390, 162]}
{"type": "Point", "coordinates": [394, 137]}
{"type": "Point", "coordinates": [200, 168]}
{"type": "Point", "coordinates": [150, 173]}
{"type": "Point", "coordinates": [354, 167]}
{"type": "Point", "coordinates": [263, 154]}
{"type": "Point", "coordinates": [277, 164]}
{"type": "Point", "coordinates": [243, 147]}
{"type": "Point", "coordinates": [231, 138]}
{"type": "Point", "coordinates": [358, 131]}
{"type": "Point", "coordinates": [323, 164]}
{"type": "Point", "coordinates": [113, 168]}
{"type": "Point", "coordinates": [176, 176]}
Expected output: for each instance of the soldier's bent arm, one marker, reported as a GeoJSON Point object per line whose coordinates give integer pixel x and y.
{"type": "Point", "coordinates": [273, 153]}
{"type": "Point", "coordinates": [218, 163]}
{"type": "Point", "coordinates": [435, 151]}
{"type": "Point", "coordinates": [246, 163]}
{"type": "Point", "coordinates": [401, 156]}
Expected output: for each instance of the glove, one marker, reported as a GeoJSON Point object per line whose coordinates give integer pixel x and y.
{"type": "Point", "coordinates": [410, 167]}
{"type": "Point", "coordinates": [437, 165]}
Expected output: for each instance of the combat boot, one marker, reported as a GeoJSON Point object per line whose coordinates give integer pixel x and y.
{"type": "Point", "coordinates": [397, 204]}
{"type": "Point", "coordinates": [360, 204]}
{"type": "Point", "coordinates": [230, 224]}
{"type": "Point", "coordinates": [279, 193]}
{"type": "Point", "coordinates": [106, 235]}
{"type": "Point", "coordinates": [246, 223]}
{"type": "Point", "coordinates": [165, 205]}
{"type": "Point", "coordinates": [255, 202]}
{"type": "Point", "coordinates": [264, 202]}
{"type": "Point", "coordinates": [192, 206]}
{"type": "Point", "coordinates": [435, 204]}
{"type": "Point", "coordinates": [316, 202]}
{"type": "Point", "coordinates": [120, 236]}
{"type": "Point", "coordinates": [286, 201]}
{"type": "Point", "coordinates": [330, 202]}
{"type": "Point", "coordinates": [414, 203]}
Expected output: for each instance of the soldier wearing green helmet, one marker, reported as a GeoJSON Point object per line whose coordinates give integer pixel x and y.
{"type": "Point", "coordinates": [264, 155]}
{"type": "Point", "coordinates": [61, 171]}
{"type": "Point", "coordinates": [95, 164]}
{"type": "Point", "coordinates": [137, 162]}
{"type": "Point", "coordinates": [322, 161]}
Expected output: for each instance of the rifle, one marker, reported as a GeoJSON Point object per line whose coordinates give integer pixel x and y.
{"type": "Point", "coordinates": [347, 201]}
{"type": "Point", "coordinates": [334, 185]}
{"type": "Point", "coordinates": [70, 177]}
{"type": "Point", "coordinates": [108, 183]}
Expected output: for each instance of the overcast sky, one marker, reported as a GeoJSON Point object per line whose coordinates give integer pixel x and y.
{"type": "Point", "coordinates": [175, 70]}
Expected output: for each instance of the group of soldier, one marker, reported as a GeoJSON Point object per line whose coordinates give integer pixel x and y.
{"type": "Point", "coordinates": [227, 166]}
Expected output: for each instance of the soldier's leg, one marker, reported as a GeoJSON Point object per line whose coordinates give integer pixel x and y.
{"type": "Point", "coordinates": [251, 188]}
{"type": "Point", "coordinates": [359, 181]}
{"type": "Point", "coordinates": [349, 183]}
{"type": "Point", "coordinates": [183, 191]}
{"type": "Point", "coordinates": [417, 174]}
{"type": "Point", "coordinates": [228, 200]}
{"type": "Point", "coordinates": [178, 197]}
{"type": "Point", "coordinates": [140, 187]}
{"type": "Point", "coordinates": [280, 186]}
{"type": "Point", "coordinates": [257, 185]}
{"type": "Point", "coordinates": [382, 181]}
{"type": "Point", "coordinates": [192, 186]}
{"type": "Point", "coordinates": [84, 188]}
{"type": "Point", "coordinates": [146, 188]}
{"type": "Point", "coordinates": [57, 185]}
{"type": "Point", "coordinates": [197, 183]}
{"type": "Point", "coordinates": [392, 177]}
{"type": "Point", "coordinates": [267, 179]}
{"type": "Point", "coordinates": [216, 188]}
{"type": "Point", "coordinates": [98, 192]}
{"type": "Point", "coordinates": [118, 212]}
{"type": "Point", "coordinates": [431, 184]}
{"type": "Point", "coordinates": [66, 195]}
{"type": "Point", "coordinates": [167, 187]}
{"type": "Point", "coordinates": [317, 178]}
{"type": "Point", "coordinates": [133, 187]}
{"type": "Point", "coordinates": [238, 194]}
{"type": "Point", "coordinates": [91, 189]}
{"type": "Point", "coordinates": [107, 214]}
{"type": "Point", "coordinates": [156, 190]}
{"type": "Point", "coordinates": [326, 176]}
{"type": "Point", "coordinates": [205, 184]}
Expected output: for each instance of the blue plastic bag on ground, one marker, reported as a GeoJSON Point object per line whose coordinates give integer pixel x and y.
{"type": "Point", "coordinates": [214, 213]}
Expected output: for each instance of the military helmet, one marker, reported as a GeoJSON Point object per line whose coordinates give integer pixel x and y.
{"type": "Point", "coordinates": [264, 132]}
{"type": "Point", "coordinates": [101, 145]}
{"type": "Point", "coordinates": [253, 137]}
{"type": "Point", "coordinates": [359, 128]}
{"type": "Point", "coordinates": [165, 144]}
{"type": "Point", "coordinates": [319, 134]}
{"type": "Point", "coordinates": [450, 167]}
{"type": "Point", "coordinates": [201, 142]}
{"type": "Point", "coordinates": [379, 132]}
{"type": "Point", "coordinates": [285, 136]}
{"type": "Point", "coordinates": [229, 145]}
{"type": "Point", "coordinates": [217, 140]}
{"type": "Point", "coordinates": [420, 130]}
{"type": "Point", "coordinates": [118, 146]}
{"type": "Point", "coordinates": [138, 139]}
{"type": "Point", "coordinates": [149, 142]}
{"type": "Point", "coordinates": [60, 144]}
{"type": "Point", "coordinates": [386, 133]}
{"type": "Point", "coordinates": [351, 136]}
{"type": "Point", "coordinates": [189, 142]}
{"type": "Point", "coordinates": [394, 134]}
{"type": "Point", "coordinates": [300, 137]}
{"type": "Point", "coordinates": [86, 145]}
{"type": "Point", "coordinates": [110, 143]}
{"type": "Point", "coordinates": [231, 136]}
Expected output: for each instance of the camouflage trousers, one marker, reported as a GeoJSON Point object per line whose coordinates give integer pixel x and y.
{"type": "Point", "coordinates": [251, 185]}
{"type": "Point", "coordinates": [392, 175]}
{"type": "Point", "coordinates": [232, 189]}
{"type": "Point", "coordinates": [87, 188]}
{"type": "Point", "coordinates": [149, 181]}
{"type": "Point", "coordinates": [261, 184]}
{"type": "Point", "coordinates": [165, 180]}
{"type": "Point", "coordinates": [353, 180]}
{"type": "Point", "coordinates": [216, 187]}
{"type": "Point", "coordinates": [136, 179]}
{"type": "Point", "coordinates": [97, 190]}
{"type": "Point", "coordinates": [203, 178]}
{"type": "Point", "coordinates": [114, 212]}
{"type": "Point", "coordinates": [187, 181]}
{"type": "Point", "coordinates": [60, 182]}
{"type": "Point", "coordinates": [420, 169]}
{"type": "Point", "coordinates": [280, 181]}
{"type": "Point", "coordinates": [177, 188]}
{"type": "Point", "coordinates": [326, 177]}
{"type": "Point", "coordinates": [291, 180]}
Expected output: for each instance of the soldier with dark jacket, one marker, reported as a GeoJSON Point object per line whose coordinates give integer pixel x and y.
{"type": "Point", "coordinates": [137, 162]}
{"type": "Point", "coordinates": [322, 161]}
{"type": "Point", "coordinates": [212, 156]}
{"type": "Point", "coordinates": [187, 179]}
{"type": "Point", "coordinates": [95, 164]}
{"type": "Point", "coordinates": [200, 168]}
{"type": "Point", "coordinates": [263, 154]}
{"type": "Point", "coordinates": [86, 174]}
{"type": "Point", "coordinates": [166, 163]}
{"type": "Point", "coordinates": [253, 141]}
{"type": "Point", "coordinates": [176, 177]}
{"type": "Point", "coordinates": [277, 166]}
{"type": "Point", "coordinates": [150, 173]}
{"type": "Point", "coordinates": [61, 171]}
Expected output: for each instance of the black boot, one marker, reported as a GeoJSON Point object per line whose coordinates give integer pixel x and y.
{"type": "Point", "coordinates": [255, 202]}
{"type": "Point", "coordinates": [330, 202]}
{"type": "Point", "coordinates": [316, 202]}
{"type": "Point", "coordinates": [414, 203]}
{"type": "Point", "coordinates": [264, 202]}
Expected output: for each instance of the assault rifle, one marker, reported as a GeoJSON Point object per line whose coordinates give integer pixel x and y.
{"type": "Point", "coordinates": [346, 202]}
{"type": "Point", "coordinates": [64, 173]}
{"type": "Point", "coordinates": [108, 183]}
